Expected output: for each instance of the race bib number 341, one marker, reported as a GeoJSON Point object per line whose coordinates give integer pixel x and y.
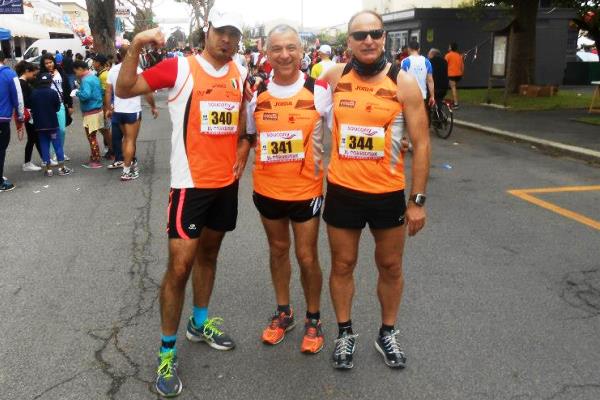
{"type": "Point", "coordinates": [361, 142]}
{"type": "Point", "coordinates": [219, 117]}
{"type": "Point", "coordinates": [283, 146]}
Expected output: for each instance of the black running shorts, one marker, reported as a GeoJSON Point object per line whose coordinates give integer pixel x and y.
{"type": "Point", "coordinates": [192, 209]}
{"type": "Point", "coordinates": [297, 211]}
{"type": "Point", "coordinates": [351, 209]}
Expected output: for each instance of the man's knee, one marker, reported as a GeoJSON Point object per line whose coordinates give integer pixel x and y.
{"type": "Point", "coordinates": [279, 248]}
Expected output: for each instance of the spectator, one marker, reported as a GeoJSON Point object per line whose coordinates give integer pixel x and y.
{"type": "Point", "coordinates": [90, 97]}
{"type": "Point", "coordinates": [100, 63]}
{"type": "Point", "coordinates": [61, 85]}
{"type": "Point", "coordinates": [439, 68]}
{"type": "Point", "coordinates": [45, 103]}
{"type": "Point", "coordinates": [27, 73]}
{"type": "Point", "coordinates": [58, 57]}
{"type": "Point", "coordinates": [456, 69]}
{"type": "Point", "coordinates": [402, 54]}
{"type": "Point", "coordinates": [11, 100]}
{"type": "Point", "coordinates": [326, 63]}
{"type": "Point", "coordinates": [68, 68]}
{"type": "Point", "coordinates": [420, 67]}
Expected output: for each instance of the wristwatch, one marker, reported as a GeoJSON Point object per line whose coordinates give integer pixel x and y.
{"type": "Point", "coordinates": [418, 199]}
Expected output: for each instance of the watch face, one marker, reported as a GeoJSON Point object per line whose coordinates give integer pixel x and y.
{"type": "Point", "coordinates": [419, 199]}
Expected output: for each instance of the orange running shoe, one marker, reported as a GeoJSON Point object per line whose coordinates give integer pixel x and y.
{"type": "Point", "coordinates": [280, 324]}
{"type": "Point", "coordinates": [313, 337]}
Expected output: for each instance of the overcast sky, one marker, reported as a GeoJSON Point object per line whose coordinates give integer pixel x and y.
{"type": "Point", "coordinates": [317, 13]}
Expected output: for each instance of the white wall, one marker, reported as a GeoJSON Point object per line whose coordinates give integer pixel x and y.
{"type": "Point", "coordinates": [385, 6]}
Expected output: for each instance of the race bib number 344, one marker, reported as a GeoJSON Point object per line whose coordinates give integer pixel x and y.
{"type": "Point", "coordinates": [219, 117]}
{"type": "Point", "coordinates": [283, 146]}
{"type": "Point", "coordinates": [361, 142]}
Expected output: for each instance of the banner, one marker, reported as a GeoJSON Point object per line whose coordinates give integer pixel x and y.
{"type": "Point", "coordinates": [11, 6]}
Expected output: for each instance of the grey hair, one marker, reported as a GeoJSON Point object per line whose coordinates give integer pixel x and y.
{"type": "Point", "coordinates": [434, 51]}
{"type": "Point", "coordinates": [281, 28]}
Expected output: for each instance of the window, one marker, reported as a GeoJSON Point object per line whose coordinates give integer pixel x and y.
{"type": "Point", "coordinates": [416, 35]}
{"type": "Point", "coordinates": [397, 40]}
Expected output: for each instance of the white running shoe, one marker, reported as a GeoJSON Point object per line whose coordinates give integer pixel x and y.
{"type": "Point", "coordinates": [29, 167]}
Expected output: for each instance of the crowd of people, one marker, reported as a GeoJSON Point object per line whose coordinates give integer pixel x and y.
{"type": "Point", "coordinates": [40, 98]}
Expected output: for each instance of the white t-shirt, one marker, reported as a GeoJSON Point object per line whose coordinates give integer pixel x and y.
{"type": "Point", "coordinates": [323, 101]}
{"type": "Point", "coordinates": [419, 67]}
{"type": "Point", "coordinates": [131, 105]}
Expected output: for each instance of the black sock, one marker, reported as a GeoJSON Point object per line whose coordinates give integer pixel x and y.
{"type": "Point", "coordinates": [316, 315]}
{"type": "Point", "coordinates": [284, 308]}
{"type": "Point", "coordinates": [385, 328]}
{"type": "Point", "coordinates": [345, 327]}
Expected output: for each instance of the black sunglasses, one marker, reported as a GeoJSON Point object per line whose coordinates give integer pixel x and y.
{"type": "Point", "coordinates": [362, 35]}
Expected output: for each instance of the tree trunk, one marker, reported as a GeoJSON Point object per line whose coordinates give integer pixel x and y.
{"type": "Point", "coordinates": [102, 25]}
{"type": "Point", "coordinates": [521, 67]}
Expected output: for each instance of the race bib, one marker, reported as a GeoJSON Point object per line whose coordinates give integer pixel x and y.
{"type": "Point", "coordinates": [219, 117]}
{"type": "Point", "coordinates": [282, 146]}
{"type": "Point", "coordinates": [361, 142]}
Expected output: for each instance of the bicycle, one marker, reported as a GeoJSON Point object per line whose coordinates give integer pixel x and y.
{"type": "Point", "coordinates": [441, 119]}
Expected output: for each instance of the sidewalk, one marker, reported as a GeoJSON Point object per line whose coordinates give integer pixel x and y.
{"type": "Point", "coordinates": [555, 130]}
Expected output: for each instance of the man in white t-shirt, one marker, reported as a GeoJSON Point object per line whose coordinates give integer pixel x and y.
{"type": "Point", "coordinates": [420, 67]}
{"type": "Point", "coordinates": [209, 151]}
{"type": "Point", "coordinates": [126, 119]}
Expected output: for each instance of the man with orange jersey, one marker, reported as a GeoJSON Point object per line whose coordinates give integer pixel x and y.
{"type": "Point", "coordinates": [372, 99]}
{"type": "Point", "coordinates": [207, 159]}
{"type": "Point", "coordinates": [290, 112]}
{"type": "Point", "coordinates": [456, 70]}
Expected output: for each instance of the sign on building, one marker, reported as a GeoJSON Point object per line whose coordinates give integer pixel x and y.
{"type": "Point", "coordinates": [11, 6]}
{"type": "Point", "coordinates": [121, 12]}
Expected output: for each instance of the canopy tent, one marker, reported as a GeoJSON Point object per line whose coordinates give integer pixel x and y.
{"type": "Point", "coordinates": [5, 34]}
{"type": "Point", "coordinates": [21, 27]}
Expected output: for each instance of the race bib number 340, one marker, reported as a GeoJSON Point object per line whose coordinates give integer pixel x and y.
{"type": "Point", "coordinates": [361, 142]}
{"type": "Point", "coordinates": [219, 117]}
{"type": "Point", "coordinates": [283, 146]}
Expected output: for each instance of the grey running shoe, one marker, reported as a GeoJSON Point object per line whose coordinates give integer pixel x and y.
{"type": "Point", "coordinates": [64, 171]}
{"type": "Point", "coordinates": [129, 176]}
{"type": "Point", "coordinates": [345, 346]}
{"type": "Point", "coordinates": [210, 333]}
{"type": "Point", "coordinates": [167, 382]}
{"type": "Point", "coordinates": [387, 344]}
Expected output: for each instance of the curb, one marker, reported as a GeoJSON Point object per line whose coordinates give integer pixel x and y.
{"type": "Point", "coordinates": [574, 151]}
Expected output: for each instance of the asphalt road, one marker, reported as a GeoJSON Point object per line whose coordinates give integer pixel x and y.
{"type": "Point", "coordinates": [502, 297]}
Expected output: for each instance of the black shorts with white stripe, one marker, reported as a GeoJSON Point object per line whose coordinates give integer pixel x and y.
{"type": "Point", "coordinates": [297, 211]}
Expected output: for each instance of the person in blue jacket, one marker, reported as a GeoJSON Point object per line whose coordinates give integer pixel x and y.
{"type": "Point", "coordinates": [11, 101]}
{"type": "Point", "coordinates": [45, 103]}
{"type": "Point", "coordinates": [91, 102]}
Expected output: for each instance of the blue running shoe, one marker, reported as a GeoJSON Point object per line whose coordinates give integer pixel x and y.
{"type": "Point", "coordinates": [167, 382]}
{"type": "Point", "coordinates": [210, 333]}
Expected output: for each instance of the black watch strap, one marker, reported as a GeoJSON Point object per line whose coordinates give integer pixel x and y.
{"type": "Point", "coordinates": [418, 199]}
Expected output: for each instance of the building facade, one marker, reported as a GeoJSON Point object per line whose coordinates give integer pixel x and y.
{"type": "Point", "coordinates": [386, 6]}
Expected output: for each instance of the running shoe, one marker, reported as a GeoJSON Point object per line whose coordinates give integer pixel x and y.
{"type": "Point", "coordinates": [210, 333]}
{"type": "Point", "coordinates": [29, 166]}
{"type": "Point", "coordinates": [92, 165]}
{"type": "Point", "coordinates": [64, 171]}
{"type": "Point", "coordinates": [67, 158]}
{"type": "Point", "coordinates": [167, 382]}
{"type": "Point", "coordinates": [281, 323]}
{"type": "Point", "coordinates": [48, 173]}
{"type": "Point", "coordinates": [345, 346]}
{"type": "Point", "coordinates": [129, 176]}
{"type": "Point", "coordinates": [313, 341]}
{"type": "Point", "coordinates": [6, 186]}
{"type": "Point", "coordinates": [115, 165]}
{"type": "Point", "coordinates": [387, 344]}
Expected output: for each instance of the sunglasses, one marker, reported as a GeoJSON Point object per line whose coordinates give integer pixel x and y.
{"type": "Point", "coordinates": [362, 35]}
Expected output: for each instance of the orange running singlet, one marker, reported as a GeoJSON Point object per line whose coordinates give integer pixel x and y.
{"type": "Point", "coordinates": [367, 130]}
{"type": "Point", "coordinates": [288, 164]}
{"type": "Point", "coordinates": [211, 126]}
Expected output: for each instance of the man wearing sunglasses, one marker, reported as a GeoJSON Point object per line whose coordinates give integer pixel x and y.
{"type": "Point", "coordinates": [208, 156]}
{"type": "Point", "coordinates": [372, 100]}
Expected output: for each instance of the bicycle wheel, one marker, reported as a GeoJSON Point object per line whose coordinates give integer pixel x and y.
{"type": "Point", "coordinates": [446, 121]}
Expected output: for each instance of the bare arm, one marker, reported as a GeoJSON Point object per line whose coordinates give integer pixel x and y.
{"type": "Point", "coordinates": [130, 84]}
{"type": "Point", "coordinates": [108, 100]}
{"type": "Point", "coordinates": [430, 86]}
{"type": "Point", "coordinates": [411, 98]}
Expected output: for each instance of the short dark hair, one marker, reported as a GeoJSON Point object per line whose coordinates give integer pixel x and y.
{"type": "Point", "coordinates": [373, 13]}
{"type": "Point", "coordinates": [25, 66]}
{"type": "Point", "coordinates": [2, 56]}
{"type": "Point", "coordinates": [413, 45]}
{"type": "Point", "coordinates": [454, 46]}
{"type": "Point", "coordinates": [78, 64]}
{"type": "Point", "coordinates": [69, 53]}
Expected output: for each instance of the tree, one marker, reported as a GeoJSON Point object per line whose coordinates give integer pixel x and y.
{"type": "Point", "coordinates": [588, 16]}
{"type": "Point", "coordinates": [521, 57]}
{"type": "Point", "coordinates": [200, 10]}
{"type": "Point", "coordinates": [176, 38]}
{"type": "Point", "coordinates": [102, 24]}
{"type": "Point", "coordinates": [143, 16]}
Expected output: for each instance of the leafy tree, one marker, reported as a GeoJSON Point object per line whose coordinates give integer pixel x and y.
{"type": "Point", "coordinates": [200, 10]}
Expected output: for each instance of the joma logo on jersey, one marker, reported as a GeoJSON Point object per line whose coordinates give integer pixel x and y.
{"type": "Point", "coordinates": [364, 89]}
{"type": "Point", "coordinates": [283, 103]}
{"type": "Point", "coordinates": [270, 117]}
{"type": "Point", "coordinates": [219, 85]}
{"type": "Point", "coordinates": [347, 103]}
